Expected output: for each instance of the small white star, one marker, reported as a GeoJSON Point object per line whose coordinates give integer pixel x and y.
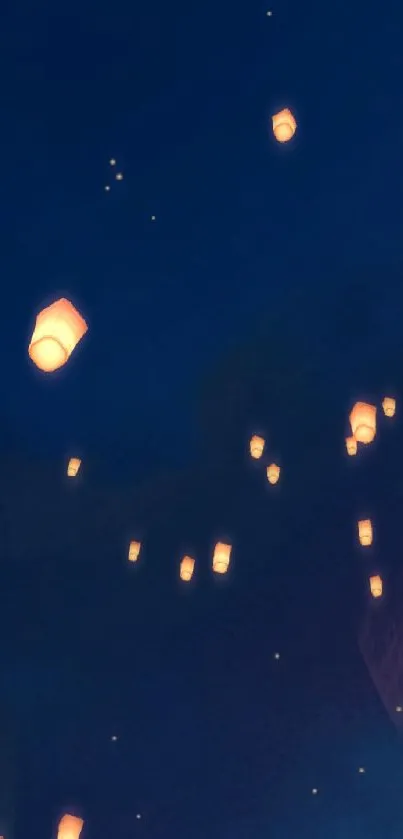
{"type": "Point", "coordinates": [277, 656]}
{"type": "Point", "coordinates": [138, 815]}
{"type": "Point", "coordinates": [119, 176]}
{"type": "Point", "coordinates": [107, 189]}
{"type": "Point", "coordinates": [112, 161]}
{"type": "Point", "coordinates": [114, 738]}
{"type": "Point", "coordinates": [361, 770]}
{"type": "Point", "coordinates": [152, 218]}
{"type": "Point", "coordinates": [399, 709]}
{"type": "Point", "coordinates": [269, 14]}
{"type": "Point", "coordinates": [314, 791]}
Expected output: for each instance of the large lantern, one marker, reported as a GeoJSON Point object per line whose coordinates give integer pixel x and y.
{"type": "Point", "coordinates": [284, 125]}
{"type": "Point", "coordinates": [351, 445]}
{"type": "Point", "coordinates": [273, 473]}
{"type": "Point", "coordinates": [73, 467]}
{"type": "Point", "coordinates": [221, 558]}
{"type": "Point", "coordinates": [256, 446]}
{"type": "Point", "coordinates": [389, 406]}
{"type": "Point", "coordinates": [376, 586]}
{"type": "Point", "coordinates": [70, 827]}
{"type": "Point", "coordinates": [365, 532]}
{"type": "Point", "coordinates": [187, 568]}
{"type": "Point", "coordinates": [134, 551]}
{"type": "Point", "coordinates": [58, 329]}
{"type": "Point", "coordinates": [363, 422]}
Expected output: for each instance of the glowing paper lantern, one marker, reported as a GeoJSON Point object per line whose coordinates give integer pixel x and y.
{"type": "Point", "coordinates": [363, 422]}
{"type": "Point", "coordinates": [284, 126]}
{"type": "Point", "coordinates": [365, 532]}
{"type": "Point", "coordinates": [273, 473]}
{"type": "Point", "coordinates": [221, 558]}
{"type": "Point", "coordinates": [58, 329]}
{"type": "Point", "coordinates": [134, 551]}
{"type": "Point", "coordinates": [73, 467]}
{"type": "Point", "coordinates": [375, 584]}
{"type": "Point", "coordinates": [256, 446]}
{"type": "Point", "coordinates": [70, 827]}
{"type": "Point", "coordinates": [389, 406]}
{"type": "Point", "coordinates": [187, 568]}
{"type": "Point", "coordinates": [351, 445]}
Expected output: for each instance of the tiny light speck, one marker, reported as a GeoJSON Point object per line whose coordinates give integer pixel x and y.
{"type": "Point", "coordinates": [314, 791]}
{"type": "Point", "coordinates": [114, 738]}
{"type": "Point", "coordinates": [399, 709]}
{"type": "Point", "coordinates": [269, 14]}
{"type": "Point", "coordinates": [152, 218]}
{"type": "Point", "coordinates": [277, 656]}
{"type": "Point", "coordinates": [107, 188]}
{"type": "Point", "coordinates": [119, 176]}
{"type": "Point", "coordinates": [112, 161]}
{"type": "Point", "coordinates": [361, 770]}
{"type": "Point", "coordinates": [138, 816]}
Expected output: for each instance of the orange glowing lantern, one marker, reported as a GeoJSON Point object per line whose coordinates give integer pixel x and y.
{"type": "Point", "coordinates": [351, 445]}
{"type": "Point", "coordinates": [284, 126]}
{"type": "Point", "coordinates": [221, 558]}
{"type": "Point", "coordinates": [73, 467]}
{"type": "Point", "coordinates": [70, 827]}
{"type": "Point", "coordinates": [389, 406]}
{"type": "Point", "coordinates": [134, 551]}
{"type": "Point", "coordinates": [363, 422]}
{"type": "Point", "coordinates": [58, 329]}
{"type": "Point", "coordinates": [256, 446]}
{"type": "Point", "coordinates": [376, 586]}
{"type": "Point", "coordinates": [187, 568]}
{"type": "Point", "coordinates": [365, 532]}
{"type": "Point", "coordinates": [273, 473]}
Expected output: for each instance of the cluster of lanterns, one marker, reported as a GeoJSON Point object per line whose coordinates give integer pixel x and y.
{"type": "Point", "coordinates": [221, 560]}
{"type": "Point", "coordinates": [256, 447]}
{"type": "Point", "coordinates": [118, 175]}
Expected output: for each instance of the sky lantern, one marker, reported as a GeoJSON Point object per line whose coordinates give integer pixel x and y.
{"type": "Point", "coordinates": [58, 329]}
{"type": "Point", "coordinates": [365, 532]}
{"type": "Point", "coordinates": [363, 422]}
{"type": "Point", "coordinates": [284, 125]}
{"type": "Point", "coordinates": [134, 551]}
{"type": "Point", "coordinates": [273, 473]}
{"type": "Point", "coordinates": [221, 558]}
{"type": "Point", "coordinates": [376, 586]}
{"type": "Point", "coordinates": [187, 568]}
{"type": "Point", "coordinates": [256, 446]}
{"type": "Point", "coordinates": [73, 467]}
{"type": "Point", "coordinates": [351, 445]}
{"type": "Point", "coordinates": [70, 827]}
{"type": "Point", "coordinates": [389, 406]}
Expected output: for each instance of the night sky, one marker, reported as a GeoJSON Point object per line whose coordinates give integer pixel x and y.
{"type": "Point", "coordinates": [265, 296]}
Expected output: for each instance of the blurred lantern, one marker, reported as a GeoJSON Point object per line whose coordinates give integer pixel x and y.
{"type": "Point", "coordinates": [119, 176]}
{"type": "Point", "coordinates": [389, 406]}
{"type": "Point", "coordinates": [376, 587]}
{"type": "Point", "coordinates": [256, 446]}
{"type": "Point", "coordinates": [73, 466]}
{"type": "Point", "coordinates": [273, 473]}
{"type": "Point", "coordinates": [284, 125]}
{"type": "Point", "coordinates": [187, 568]}
{"type": "Point", "coordinates": [363, 422]}
{"type": "Point", "coordinates": [58, 329]}
{"type": "Point", "coordinates": [351, 445]}
{"type": "Point", "coordinates": [221, 558]}
{"type": "Point", "coordinates": [365, 532]}
{"type": "Point", "coordinates": [134, 550]}
{"type": "Point", "coordinates": [70, 827]}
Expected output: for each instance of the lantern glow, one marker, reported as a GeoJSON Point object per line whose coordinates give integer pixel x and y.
{"type": "Point", "coordinates": [221, 558]}
{"type": "Point", "coordinates": [363, 422]}
{"type": "Point", "coordinates": [284, 125]}
{"type": "Point", "coordinates": [58, 329]}
{"type": "Point", "coordinates": [186, 568]}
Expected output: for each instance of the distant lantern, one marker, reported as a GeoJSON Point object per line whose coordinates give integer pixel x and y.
{"type": "Point", "coordinates": [375, 584]}
{"type": "Point", "coordinates": [221, 558]}
{"type": "Point", "coordinates": [58, 329]}
{"type": "Point", "coordinates": [112, 161]}
{"type": "Point", "coordinates": [363, 422]}
{"type": "Point", "coordinates": [284, 125]}
{"type": "Point", "coordinates": [119, 176]}
{"type": "Point", "coordinates": [351, 445]}
{"type": "Point", "coordinates": [273, 473]}
{"type": "Point", "coordinates": [365, 532]}
{"type": "Point", "coordinates": [389, 406]}
{"type": "Point", "coordinates": [256, 446]}
{"type": "Point", "coordinates": [134, 551]}
{"type": "Point", "coordinates": [73, 467]}
{"type": "Point", "coordinates": [70, 827]}
{"type": "Point", "coordinates": [187, 568]}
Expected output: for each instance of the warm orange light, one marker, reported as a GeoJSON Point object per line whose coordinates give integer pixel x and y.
{"type": "Point", "coordinates": [363, 422]}
{"type": "Point", "coordinates": [134, 551]}
{"type": "Point", "coordinates": [221, 558]}
{"type": "Point", "coordinates": [389, 406]}
{"type": "Point", "coordinates": [70, 827]}
{"type": "Point", "coordinates": [273, 473]}
{"type": "Point", "coordinates": [256, 446]}
{"type": "Point", "coordinates": [351, 445]}
{"type": "Point", "coordinates": [375, 584]}
{"type": "Point", "coordinates": [73, 467]}
{"type": "Point", "coordinates": [365, 532]}
{"type": "Point", "coordinates": [284, 125]}
{"type": "Point", "coordinates": [58, 329]}
{"type": "Point", "coordinates": [187, 568]}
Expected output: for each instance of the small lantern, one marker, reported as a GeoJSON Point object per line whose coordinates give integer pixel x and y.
{"type": "Point", "coordinates": [187, 568]}
{"type": "Point", "coordinates": [351, 445]}
{"type": "Point", "coordinates": [363, 422]}
{"type": "Point", "coordinates": [73, 467]}
{"type": "Point", "coordinates": [58, 329]}
{"type": "Point", "coordinates": [134, 551]}
{"type": "Point", "coordinates": [365, 532]}
{"type": "Point", "coordinates": [256, 446]}
{"type": "Point", "coordinates": [284, 126]}
{"type": "Point", "coordinates": [221, 558]}
{"type": "Point", "coordinates": [375, 584]}
{"type": "Point", "coordinates": [389, 406]}
{"type": "Point", "coordinates": [273, 473]}
{"type": "Point", "coordinates": [70, 827]}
